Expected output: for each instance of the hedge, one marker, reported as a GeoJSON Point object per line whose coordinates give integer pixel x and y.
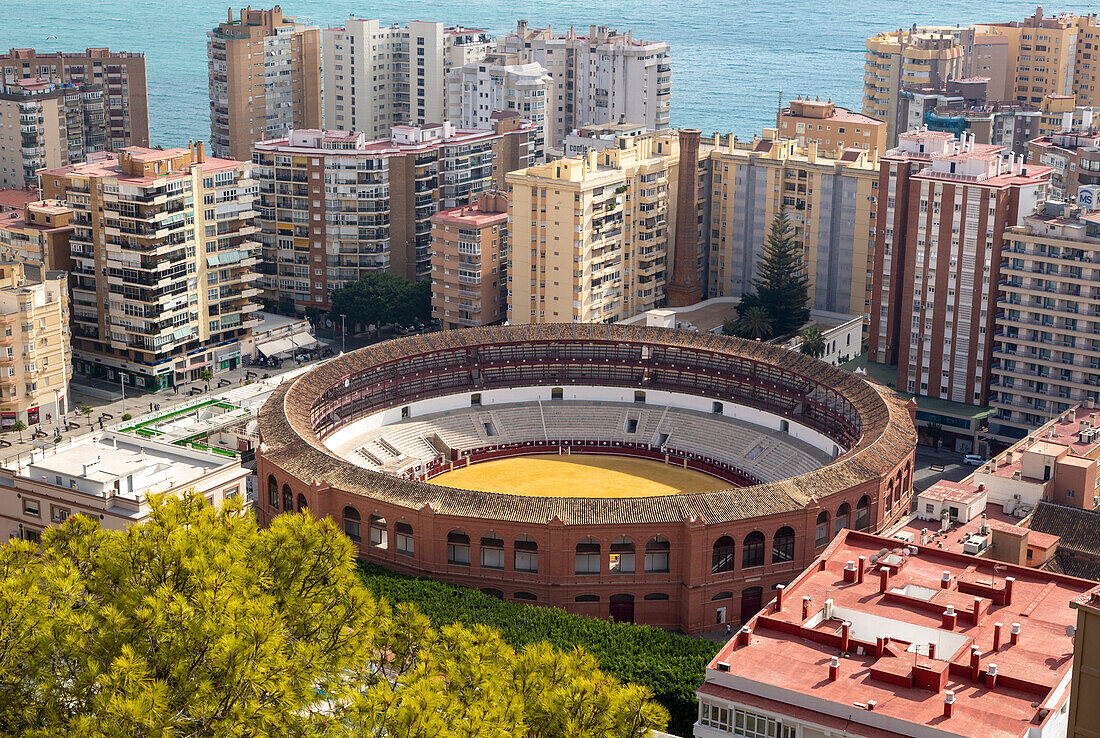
{"type": "Point", "coordinates": [672, 666]}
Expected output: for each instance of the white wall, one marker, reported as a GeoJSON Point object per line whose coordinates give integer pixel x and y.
{"type": "Point", "coordinates": [654, 398]}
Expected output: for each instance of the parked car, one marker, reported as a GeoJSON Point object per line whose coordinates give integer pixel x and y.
{"type": "Point", "coordinates": [974, 460]}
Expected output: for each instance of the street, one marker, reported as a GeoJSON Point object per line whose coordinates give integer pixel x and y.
{"type": "Point", "coordinates": [953, 468]}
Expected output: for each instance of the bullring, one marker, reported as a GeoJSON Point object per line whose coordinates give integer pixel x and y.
{"type": "Point", "coordinates": [684, 561]}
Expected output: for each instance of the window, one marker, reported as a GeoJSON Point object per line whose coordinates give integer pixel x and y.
{"type": "Point", "coordinates": [403, 535]}
{"type": "Point", "coordinates": [862, 512]}
{"type": "Point", "coordinates": [656, 555]}
{"type": "Point", "coordinates": [842, 514]}
{"type": "Point", "coordinates": [493, 592]}
{"type": "Point", "coordinates": [302, 502]}
{"type": "Point", "coordinates": [556, 393]}
{"type": "Point", "coordinates": [587, 559]}
{"type": "Point", "coordinates": [656, 596]}
{"type": "Point", "coordinates": [821, 534]}
{"type": "Point", "coordinates": [586, 598]}
{"type": "Point", "coordinates": [458, 548]}
{"type": "Point", "coordinates": [714, 716]}
{"type": "Point", "coordinates": [783, 545]}
{"type": "Point", "coordinates": [526, 554]}
{"type": "Point", "coordinates": [525, 596]}
{"type": "Point", "coordinates": [30, 507]}
{"type": "Point", "coordinates": [288, 498]}
{"type": "Point", "coordinates": [752, 554]}
{"type": "Point", "coordinates": [273, 492]}
{"type": "Point", "coordinates": [753, 725]}
{"type": "Point", "coordinates": [492, 551]}
{"type": "Point", "coordinates": [622, 556]}
{"type": "Point", "coordinates": [60, 514]}
{"type": "Point", "coordinates": [351, 523]}
{"type": "Point", "coordinates": [379, 536]}
{"type": "Point", "coordinates": [722, 555]}
{"type": "Point", "coordinates": [724, 595]}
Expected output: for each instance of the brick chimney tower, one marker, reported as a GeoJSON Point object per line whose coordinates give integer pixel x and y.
{"type": "Point", "coordinates": [683, 289]}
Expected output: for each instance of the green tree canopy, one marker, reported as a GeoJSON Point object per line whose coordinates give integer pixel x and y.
{"type": "Point", "coordinates": [782, 287]}
{"type": "Point", "coordinates": [198, 623]}
{"type": "Point", "coordinates": [380, 298]}
{"type": "Point", "coordinates": [755, 322]}
{"type": "Point", "coordinates": [813, 342]}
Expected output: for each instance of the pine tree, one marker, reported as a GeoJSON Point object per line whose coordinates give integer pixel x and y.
{"type": "Point", "coordinates": [782, 287]}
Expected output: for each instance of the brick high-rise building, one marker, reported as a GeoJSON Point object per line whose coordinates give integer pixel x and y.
{"type": "Point", "coordinates": [49, 125]}
{"type": "Point", "coordinates": [120, 74]}
{"type": "Point", "coordinates": [164, 262]}
{"type": "Point", "coordinates": [335, 205]}
{"type": "Point", "coordinates": [601, 78]}
{"type": "Point", "coordinates": [469, 249]}
{"type": "Point", "coordinates": [943, 208]}
{"type": "Point", "coordinates": [265, 79]}
{"type": "Point", "coordinates": [401, 73]}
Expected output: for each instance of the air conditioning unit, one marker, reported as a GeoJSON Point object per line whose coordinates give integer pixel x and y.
{"type": "Point", "coordinates": [975, 545]}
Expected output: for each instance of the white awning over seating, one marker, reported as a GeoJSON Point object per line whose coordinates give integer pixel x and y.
{"type": "Point", "coordinates": [303, 340]}
{"type": "Point", "coordinates": [278, 347]}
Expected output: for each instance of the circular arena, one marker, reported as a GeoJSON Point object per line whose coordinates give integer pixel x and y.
{"type": "Point", "coordinates": [654, 475]}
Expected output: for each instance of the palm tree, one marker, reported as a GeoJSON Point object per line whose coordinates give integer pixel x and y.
{"type": "Point", "coordinates": [755, 322]}
{"type": "Point", "coordinates": [86, 411]}
{"type": "Point", "coordinates": [813, 342]}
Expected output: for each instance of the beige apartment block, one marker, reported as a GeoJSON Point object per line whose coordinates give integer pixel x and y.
{"type": "Point", "coordinates": [469, 248]}
{"type": "Point", "coordinates": [38, 233]}
{"type": "Point", "coordinates": [35, 356]}
{"type": "Point", "coordinates": [336, 205]}
{"type": "Point", "coordinates": [164, 262]}
{"type": "Point", "coordinates": [377, 76]}
{"type": "Point", "coordinates": [925, 57]}
{"type": "Point", "coordinates": [943, 208]}
{"type": "Point", "coordinates": [830, 200]}
{"type": "Point", "coordinates": [43, 124]}
{"type": "Point", "coordinates": [591, 237]}
{"type": "Point", "coordinates": [119, 74]}
{"type": "Point", "coordinates": [832, 128]}
{"type": "Point", "coordinates": [265, 79]}
{"type": "Point", "coordinates": [108, 477]}
{"type": "Point", "coordinates": [599, 78]}
{"type": "Point", "coordinates": [1047, 356]}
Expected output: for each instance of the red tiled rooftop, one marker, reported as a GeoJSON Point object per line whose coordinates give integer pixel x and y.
{"type": "Point", "coordinates": [787, 659]}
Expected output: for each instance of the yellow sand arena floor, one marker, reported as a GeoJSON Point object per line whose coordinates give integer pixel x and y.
{"type": "Point", "coordinates": [580, 475]}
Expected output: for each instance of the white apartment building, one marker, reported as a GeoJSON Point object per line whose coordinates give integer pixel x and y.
{"type": "Point", "coordinates": [604, 77]}
{"type": "Point", "coordinates": [478, 89]}
{"type": "Point", "coordinates": [377, 77]}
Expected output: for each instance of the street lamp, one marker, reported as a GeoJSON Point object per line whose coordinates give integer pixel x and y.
{"type": "Point", "coordinates": [343, 335]}
{"type": "Point", "coordinates": [122, 383]}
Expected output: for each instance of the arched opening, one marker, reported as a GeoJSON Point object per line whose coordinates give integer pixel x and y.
{"type": "Point", "coordinates": [587, 598]}
{"type": "Point", "coordinates": [351, 523]}
{"type": "Point", "coordinates": [622, 608]}
{"type": "Point", "coordinates": [656, 555]}
{"type": "Point", "coordinates": [302, 502]}
{"type": "Point", "coordinates": [379, 534]}
{"type": "Point", "coordinates": [821, 532]}
{"type": "Point", "coordinates": [722, 555]}
{"type": "Point", "coordinates": [458, 548]}
{"type": "Point", "coordinates": [783, 545]}
{"type": "Point", "coordinates": [288, 498]}
{"type": "Point", "coordinates": [863, 513]}
{"type": "Point", "coordinates": [656, 596]}
{"type": "Point", "coordinates": [842, 514]}
{"type": "Point", "coordinates": [622, 556]}
{"type": "Point", "coordinates": [403, 538]}
{"type": "Point", "coordinates": [587, 559]}
{"type": "Point", "coordinates": [526, 554]}
{"type": "Point", "coordinates": [723, 595]}
{"type": "Point", "coordinates": [752, 553]}
{"type": "Point", "coordinates": [525, 596]}
{"type": "Point", "coordinates": [493, 592]}
{"type": "Point", "coordinates": [273, 491]}
{"type": "Point", "coordinates": [751, 600]}
{"type": "Point", "coordinates": [492, 551]}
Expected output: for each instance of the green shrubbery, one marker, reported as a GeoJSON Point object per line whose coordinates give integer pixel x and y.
{"type": "Point", "coordinates": [670, 666]}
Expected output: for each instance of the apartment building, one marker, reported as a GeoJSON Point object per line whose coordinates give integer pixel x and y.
{"type": "Point", "coordinates": [38, 233]}
{"type": "Point", "coordinates": [109, 477]}
{"type": "Point", "coordinates": [477, 90]}
{"type": "Point", "coordinates": [335, 205]}
{"type": "Point", "coordinates": [943, 208]}
{"type": "Point", "coordinates": [120, 75]}
{"type": "Point", "coordinates": [1047, 352]}
{"type": "Point", "coordinates": [591, 238]}
{"type": "Point", "coordinates": [918, 56]}
{"type": "Point", "coordinates": [378, 77]}
{"type": "Point", "coordinates": [163, 262]}
{"type": "Point", "coordinates": [832, 128]}
{"type": "Point", "coordinates": [601, 78]}
{"type": "Point", "coordinates": [264, 77]}
{"type": "Point", "coordinates": [469, 252]}
{"type": "Point", "coordinates": [35, 356]}
{"type": "Point", "coordinates": [831, 201]}
{"type": "Point", "coordinates": [47, 125]}
{"type": "Point", "coordinates": [1074, 156]}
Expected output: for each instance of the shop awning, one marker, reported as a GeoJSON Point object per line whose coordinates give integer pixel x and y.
{"type": "Point", "coordinates": [278, 347]}
{"type": "Point", "coordinates": [304, 340]}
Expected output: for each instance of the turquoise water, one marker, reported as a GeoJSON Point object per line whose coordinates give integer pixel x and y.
{"type": "Point", "coordinates": [730, 60]}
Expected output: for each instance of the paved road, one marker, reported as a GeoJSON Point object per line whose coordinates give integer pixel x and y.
{"type": "Point", "coordinates": [953, 468]}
